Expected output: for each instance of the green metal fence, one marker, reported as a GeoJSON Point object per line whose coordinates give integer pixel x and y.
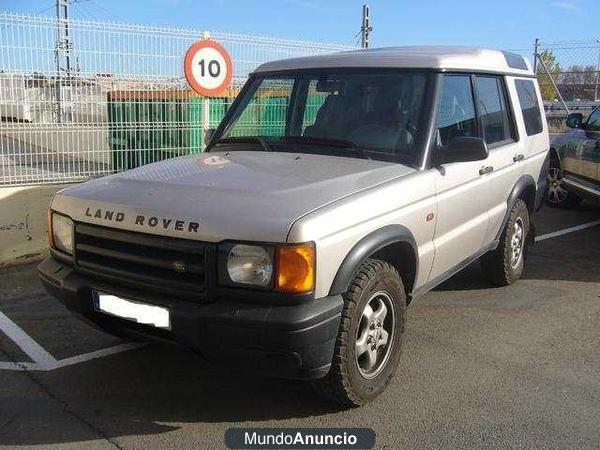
{"type": "Point", "coordinates": [151, 126]}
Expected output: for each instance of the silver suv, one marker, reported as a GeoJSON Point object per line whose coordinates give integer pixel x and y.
{"type": "Point", "coordinates": [336, 190]}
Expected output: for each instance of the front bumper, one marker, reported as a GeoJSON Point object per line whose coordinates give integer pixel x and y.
{"type": "Point", "coordinates": [294, 341]}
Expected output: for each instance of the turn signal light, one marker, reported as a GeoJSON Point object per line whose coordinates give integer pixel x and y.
{"type": "Point", "coordinates": [296, 268]}
{"type": "Point", "coordinates": [50, 232]}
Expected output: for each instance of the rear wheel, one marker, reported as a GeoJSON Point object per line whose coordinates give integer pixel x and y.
{"type": "Point", "coordinates": [558, 196]}
{"type": "Point", "coordinates": [504, 265]}
{"type": "Point", "coordinates": [370, 337]}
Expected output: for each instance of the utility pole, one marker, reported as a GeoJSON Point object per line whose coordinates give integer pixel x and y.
{"type": "Point", "coordinates": [366, 28]}
{"type": "Point", "coordinates": [62, 50]}
{"type": "Point", "coordinates": [536, 46]}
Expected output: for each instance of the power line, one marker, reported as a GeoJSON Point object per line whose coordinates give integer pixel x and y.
{"type": "Point", "coordinates": [102, 10]}
{"type": "Point", "coordinates": [43, 10]}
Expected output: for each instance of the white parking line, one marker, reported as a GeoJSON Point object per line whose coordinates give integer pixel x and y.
{"type": "Point", "coordinates": [44, 361]}
{"type": "Point", "coordinates": [31, 348]}
{"type": "Point", "coordinates": [554, 234]}
{"type": "Point", "coordinates": [97, 354]}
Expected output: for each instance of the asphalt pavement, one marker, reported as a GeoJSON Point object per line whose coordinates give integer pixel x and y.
{"type": "Point", "coordinates": [482, 367]}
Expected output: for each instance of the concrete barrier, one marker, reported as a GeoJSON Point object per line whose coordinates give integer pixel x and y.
{"type": "Point", "coordinates": [23, 222]}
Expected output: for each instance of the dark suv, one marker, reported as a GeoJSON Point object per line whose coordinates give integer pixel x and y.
{"type": "Point", "coordinates": [575, 166]}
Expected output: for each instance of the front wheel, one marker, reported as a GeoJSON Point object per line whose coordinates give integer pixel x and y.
{"type": "Point", "coordinates": [369, 341]}
{"type": "Point", "coordinates": [504, 265]}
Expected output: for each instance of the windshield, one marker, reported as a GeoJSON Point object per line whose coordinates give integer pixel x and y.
{"type": "Point", "coordinates": [357, 114]}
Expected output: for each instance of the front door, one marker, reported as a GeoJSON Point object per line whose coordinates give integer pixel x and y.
{"type": "Point", "coordinates": [582, 156]}
{"type": "Point", "coordinates": [461, 187]}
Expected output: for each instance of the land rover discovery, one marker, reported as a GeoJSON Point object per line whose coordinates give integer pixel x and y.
{"type": "Point", "coordinates": [336, 190]}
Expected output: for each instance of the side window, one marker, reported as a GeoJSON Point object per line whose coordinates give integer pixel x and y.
{"type": "Point", "coordinates": [593, 122]}
{"type": "Point", "coordinates": [530, 106]}
{"type": "Point", "coordinates": [456, 115]}
{"type": "Point", "coordinates": [491, 105]}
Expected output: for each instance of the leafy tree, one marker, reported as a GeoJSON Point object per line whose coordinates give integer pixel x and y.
{"type": "Point", "coordinates": [546, 87]}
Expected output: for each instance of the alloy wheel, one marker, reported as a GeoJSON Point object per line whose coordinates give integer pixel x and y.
{"type": "Point", "coordinates": [375, 335]}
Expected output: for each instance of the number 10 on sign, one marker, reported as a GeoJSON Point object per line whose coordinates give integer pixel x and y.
{"type": "Point", "coordinates": [208, 68]}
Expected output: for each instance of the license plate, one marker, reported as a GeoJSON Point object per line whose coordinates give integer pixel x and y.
{"type": "Point", "coordinates": [156, 316]}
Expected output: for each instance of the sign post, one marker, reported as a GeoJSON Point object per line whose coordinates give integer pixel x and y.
{"type": "Point", "coordinates": [208, 70]}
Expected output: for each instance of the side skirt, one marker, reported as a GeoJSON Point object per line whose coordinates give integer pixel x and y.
{"type": "Point", "coordinates": [417, 293]}
{"type": "Point", "coordinates": [582, 186]}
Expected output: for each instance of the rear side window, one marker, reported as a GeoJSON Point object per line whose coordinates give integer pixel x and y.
{"type": "Point", "coordinates": [530, 106]}
{"type": "Point", "coordinates": [492, 109]}
{"type": "Point", "coordinates": [456, 115]}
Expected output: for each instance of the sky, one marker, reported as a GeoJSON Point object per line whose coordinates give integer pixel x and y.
{"type": "Point", "coordinates": [504, 24]}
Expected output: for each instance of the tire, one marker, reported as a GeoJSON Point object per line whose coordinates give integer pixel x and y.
{"type": "Point", "coordinates": [353, 381]}
{"type": "Point", "coordinates": [504, 265]}
{"type": "Point", "coordinates": [557, 195]}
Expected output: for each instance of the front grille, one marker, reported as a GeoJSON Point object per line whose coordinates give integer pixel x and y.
{"type": "Point", "coordinates": [142, 261]}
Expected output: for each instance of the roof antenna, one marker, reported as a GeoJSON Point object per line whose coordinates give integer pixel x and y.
{"type": "Point", "coordinates": [366, 28]}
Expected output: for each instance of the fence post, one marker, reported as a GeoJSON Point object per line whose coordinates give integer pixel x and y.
{"type": "Point", "coordinates": [205, 107]}
{"type": "Point", "coordinates": [597, 73]}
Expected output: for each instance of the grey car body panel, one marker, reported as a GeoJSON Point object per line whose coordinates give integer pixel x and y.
{"type": "Point", "coordinates": [420, 57]}
{"type": "Point", "coordinates": [523, 183]}
{"type": "Point", "coordinates": [367, 246]}
{"type": "Point", "coordinates": [240, 195]}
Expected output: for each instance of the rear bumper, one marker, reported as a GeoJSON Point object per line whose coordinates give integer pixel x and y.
{"type": "Point", "coordinates": [295, 341]}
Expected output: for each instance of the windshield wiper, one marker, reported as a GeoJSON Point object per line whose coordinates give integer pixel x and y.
{"type": "Point", "coordinates": [243, 140]}
{"type": "Point", "coordinates": [326, 142]}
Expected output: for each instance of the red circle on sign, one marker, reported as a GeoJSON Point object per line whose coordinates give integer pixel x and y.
{"type": "Point", "coordinates": [189, 75]}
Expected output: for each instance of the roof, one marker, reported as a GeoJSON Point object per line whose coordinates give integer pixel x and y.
{"type": "Point", "coordinates": [428, 57]}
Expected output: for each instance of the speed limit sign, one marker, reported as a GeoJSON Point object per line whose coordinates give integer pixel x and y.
{"type": "Point", "coordinates": [208, 68]}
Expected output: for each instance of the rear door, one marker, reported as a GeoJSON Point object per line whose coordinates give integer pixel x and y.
{"type": "Point", "coordinates": [497, 124]}
{"type": "Point", "coordinates": [533, 130]}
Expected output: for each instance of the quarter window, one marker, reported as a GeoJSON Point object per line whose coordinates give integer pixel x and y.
{"type": "Point", "coordinates": [491, 104]}
{"type": "Point", "coordinates": [456, 114]}
{"type": "Point", "coordinates": [530, 106]}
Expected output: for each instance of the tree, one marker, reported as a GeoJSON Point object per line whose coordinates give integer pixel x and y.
{"type": "Point", "coordinates": [546, 87]}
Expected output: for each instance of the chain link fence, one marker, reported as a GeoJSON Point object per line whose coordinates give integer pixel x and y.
{"type": "Point", "coordinates": [569, 76]}
{"type": "Point", "coordinates": [83, 98]}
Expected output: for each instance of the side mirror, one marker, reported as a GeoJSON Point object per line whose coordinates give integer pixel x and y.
{"type": "Point", "coordinates": [464, 149]}
{"type": "Point", "coordinates": [208, 135]}
{"type": "Point", "coordinates": [575, 120]}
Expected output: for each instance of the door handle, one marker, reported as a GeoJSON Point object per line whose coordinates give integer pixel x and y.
{"type": "Point", "coordinates": [518, 158]}
{"type": "Point", "coordinates": [485, 170]}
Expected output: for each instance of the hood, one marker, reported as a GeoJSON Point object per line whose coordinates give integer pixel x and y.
{"type": "Point", "coordinates": [217, 196]}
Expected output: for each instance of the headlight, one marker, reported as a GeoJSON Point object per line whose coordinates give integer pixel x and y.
{"type": "Point", "coordinates": [61, 232]}
{"type": "Point", "coordinates": [286, 268]}
{"type": "Point", "coordinates": [249, 264]}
